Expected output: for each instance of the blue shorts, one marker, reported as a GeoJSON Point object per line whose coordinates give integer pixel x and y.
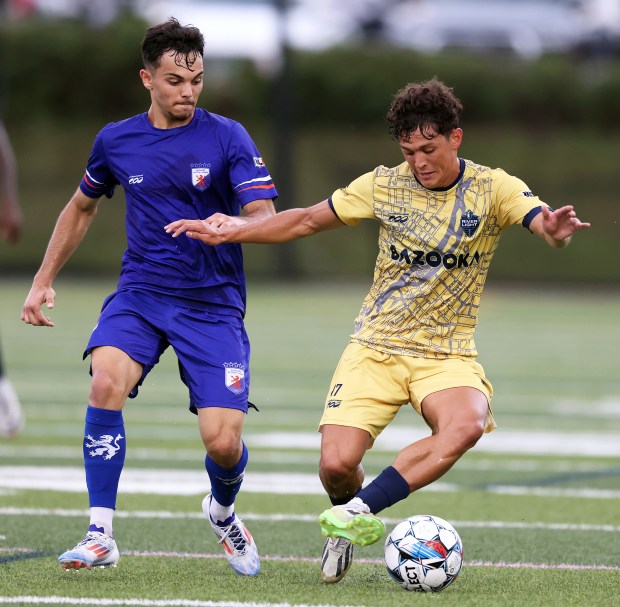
{"type": "Point", "coordinates": [212, 348]}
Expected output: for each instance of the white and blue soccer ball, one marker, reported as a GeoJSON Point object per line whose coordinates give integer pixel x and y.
{"type": "Point", "coordinates": [424, 553]}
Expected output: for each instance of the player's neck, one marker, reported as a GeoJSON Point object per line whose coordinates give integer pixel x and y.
{"type": "Point", "coordinates": [163, 121]}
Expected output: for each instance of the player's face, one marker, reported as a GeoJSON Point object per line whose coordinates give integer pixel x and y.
{"type": "Point", "coordinates": [174, 91]}
{"type": "Point", "coordinates": [434, 161]}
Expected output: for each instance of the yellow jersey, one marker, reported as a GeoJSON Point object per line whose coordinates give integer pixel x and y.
{"type": "Point", "coordinates": [435, 247]}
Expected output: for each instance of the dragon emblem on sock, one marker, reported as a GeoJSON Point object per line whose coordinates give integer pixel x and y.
{"type": "Point", "coordinates": [106, 445]}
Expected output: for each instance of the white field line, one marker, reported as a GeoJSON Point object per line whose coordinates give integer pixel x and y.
{"type": "Point", "coordinates": [368, 561]}
{"type": "Point", "coordinates": [304, 518]}
{"type": "Point", "coordinates": [518, 442]}
{"type": "Point", "coordinates": [150, 454]}
{"type": "Point", "coordinates": [65, 600]}
{"type": "Point", "coordinates": [186, 482]}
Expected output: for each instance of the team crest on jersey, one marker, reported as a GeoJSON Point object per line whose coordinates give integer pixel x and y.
{"type": "Point", "coordinates": [469, 222]}
{"type": "Point", "coordinates": [234, 377]}
{"type": "Point", "coordinates": [201, 176]}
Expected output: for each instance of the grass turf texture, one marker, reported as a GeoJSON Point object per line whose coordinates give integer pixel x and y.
{"type": "Point", "coordinates": [553, 359]}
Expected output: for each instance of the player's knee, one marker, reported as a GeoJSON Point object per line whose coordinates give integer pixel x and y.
{"type": "Point", "coordinates": [224, 448]}
{"type": "Point", "coordinates": [467, 435]}
{"type": "Point", "coordinates": [335, 470]}
{"type": "Point", "coordinates": [106, 390]}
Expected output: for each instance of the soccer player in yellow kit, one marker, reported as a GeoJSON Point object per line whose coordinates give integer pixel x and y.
{"type": "Point", "coordinates": [440, 221]}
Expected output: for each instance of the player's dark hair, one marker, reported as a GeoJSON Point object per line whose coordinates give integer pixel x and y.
{"type": "Point", "coordinates": [186, 42]}
{"type": "Point", "coordinates": [429, 106]}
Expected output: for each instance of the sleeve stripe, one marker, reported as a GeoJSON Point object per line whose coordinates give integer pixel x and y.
{"type": "Point", "coordinates": [258, 187]}
{"type": "Point", "coordinates": [268, 178]}
{"type": "Point", "coordinates": [528, 218]}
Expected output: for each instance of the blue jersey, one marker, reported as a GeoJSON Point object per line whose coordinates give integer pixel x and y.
{"type": "Point", "coordinates": [208, 166]}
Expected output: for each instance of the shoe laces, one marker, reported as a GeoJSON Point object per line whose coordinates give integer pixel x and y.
{"type": "Point", "coordinates": [91, 536]}
{"type": "Point", "coordinates": [235, 535]}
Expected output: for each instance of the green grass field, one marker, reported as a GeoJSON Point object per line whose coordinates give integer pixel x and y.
{"type": "Point", "coordinates": [536, 503]}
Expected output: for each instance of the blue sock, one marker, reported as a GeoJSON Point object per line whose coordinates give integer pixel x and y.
{"type": "Point", "coordinates": [226, 482]}
{"type": "Point", "coordinates": [387, 489]}
{"type": "Point", "coordinates": [104, 455]}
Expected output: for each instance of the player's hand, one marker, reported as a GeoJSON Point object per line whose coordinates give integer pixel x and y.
{"type": "Point", "coordinates": [212, 231]}
{"type": "Point", "coordinates": [31, 312]}
{"type": "Point", "coordinates": [561, 223]}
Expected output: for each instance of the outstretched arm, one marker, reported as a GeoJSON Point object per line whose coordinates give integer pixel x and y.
{"type": "Point", "coordinates": [71, 227]}
{"type": "Point", "coordinates": [287, 225]}
{"type": "Point", "coordinates": [557, 227]}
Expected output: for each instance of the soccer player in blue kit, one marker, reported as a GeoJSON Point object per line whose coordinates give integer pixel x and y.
{"type": "Point", "coordinates": [174, 160]}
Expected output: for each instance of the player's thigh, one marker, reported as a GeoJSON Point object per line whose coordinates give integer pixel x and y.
{"type": "Point", "coordinates": [343, 447]}
{"type": "Point", "coordinates": [451, 391]}
{"type": "Point", "coordinates": [214, 354]}
{"type": "Point", "coordinates": [220, 431]}
{"type": "Point", "coordinates": [367, 390]}
{"type": "Point", "coordinates": [114, 375]}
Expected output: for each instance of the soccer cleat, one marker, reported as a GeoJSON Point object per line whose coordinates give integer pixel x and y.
{"type": "Point", "coordinates": [348, 522]}
{"type": "Point", "coordinates": [95, 550]}
{"type": "Point", "coordinates": [337, 558]}
{"type": "Point", "coordinates": [11, 416]}
{"type": "Point", "coordinates": [237, 542]}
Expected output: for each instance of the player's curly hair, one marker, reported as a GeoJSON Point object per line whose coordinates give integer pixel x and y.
{"type": "Point", "coordinates": [186, 42]}
{"type": "Point", "coordinates": [429, 106]}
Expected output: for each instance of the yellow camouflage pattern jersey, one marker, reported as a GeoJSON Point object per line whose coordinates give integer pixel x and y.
{"type": "Point", "coordinates": [435, 247]}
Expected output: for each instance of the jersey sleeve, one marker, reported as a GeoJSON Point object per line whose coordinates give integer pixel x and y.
{"type": "Point", "coordinates": [516, 202]}
{"type": "Point", "coordinates": [354, 202]}
{"type": "Point", "coordinates": [247, 171]}
{"type": "Point", "coordinates": [98, 179]}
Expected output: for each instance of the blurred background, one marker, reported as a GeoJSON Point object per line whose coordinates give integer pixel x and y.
{"type": "Point", "coordinates": [312, 81]}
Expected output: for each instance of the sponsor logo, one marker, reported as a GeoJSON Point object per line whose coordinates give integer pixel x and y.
{"type": "Point", "coordinates": [258, 161]}
{"type": "Point", "coordinates": [398, 218]}
{"type": "Point", "coordinates": [201, 176]}
{"type": "Point", "coordinates": [332, 404]}
{"type": "Point", "coordinates": [527, 194]}
{"type": "Point", "coordinates": [234, 377]}
{"type": "Point", "coordinates": [469, 222]}
{"type": "Point", "coordinates": [434, 258]}
{"type": "Point", "coordinates": [105, 446]}
{"type": "Point", "coordinates": [133, 179]}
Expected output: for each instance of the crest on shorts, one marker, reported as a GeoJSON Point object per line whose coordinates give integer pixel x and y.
{"type": "Point", "coordinates": [234, 377]}
{"type": "Point", "coordinates": [201, 176]}
{"type": "Point", "coordinates": [469, 222]}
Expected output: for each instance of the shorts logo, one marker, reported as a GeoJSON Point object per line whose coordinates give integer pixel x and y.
{"type": "Point", "coordinates": [258, 162]}
{"type": "Point", "coordinates": [469, 222]}
{"type": "Point", "coordinates": [133, 179]}
{"type": "Point", "coordinates": [201, 176]}
{"type": "Point", "coordinates": [332, 404]}
{"type": "Point", "coordinates": [234, 377]}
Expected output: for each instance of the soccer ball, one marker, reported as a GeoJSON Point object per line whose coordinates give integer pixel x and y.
{"type": "Point", "coordinates": [423, 553]}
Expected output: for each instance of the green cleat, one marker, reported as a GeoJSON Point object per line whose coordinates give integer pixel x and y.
{"type": "Point", "coordinates": [359, 528]}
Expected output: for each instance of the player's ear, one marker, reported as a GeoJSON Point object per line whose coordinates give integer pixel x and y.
{"type": "Point", "coordinates": [456, 137]}
{"type": "Point", "coordinates": [145, 76]}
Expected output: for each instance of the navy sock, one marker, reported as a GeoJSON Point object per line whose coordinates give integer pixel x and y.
{"type": "Point", "coordinates": [339, 501]}
{"type": "Point", "coordinates": [387, 489]}
{"type": "Point", "coordinates": [104, 455]}
{"type": "Point", "coordinates": [226, 482]}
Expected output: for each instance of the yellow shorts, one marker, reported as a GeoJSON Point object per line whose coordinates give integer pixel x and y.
{"type": "Point", "coordinates": [369, 387]}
